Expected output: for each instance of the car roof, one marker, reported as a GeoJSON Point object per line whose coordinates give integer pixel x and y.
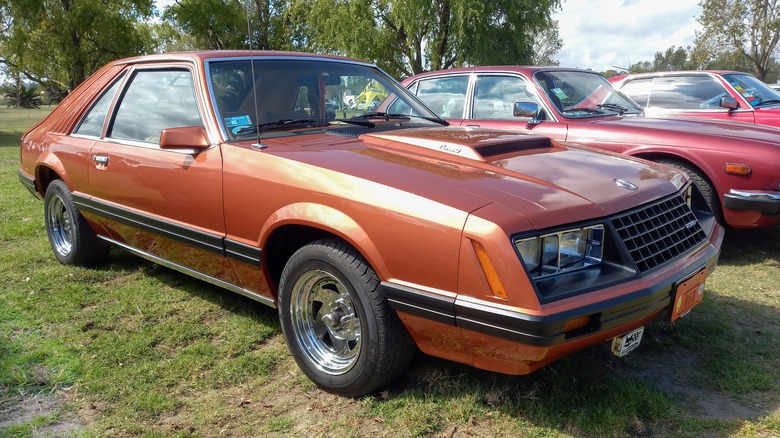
{"type": "Point", "coordinates": [524, 69]}
{"type": "Point", "coordinates": [684, 72]}
{"type": "Point", "coordinates": [203, 55]}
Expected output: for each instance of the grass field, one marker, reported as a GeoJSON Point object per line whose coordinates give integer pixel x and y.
{"type": "Point", "coordinates": [133, 349]}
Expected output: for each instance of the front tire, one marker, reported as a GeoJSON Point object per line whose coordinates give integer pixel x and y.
{"type": "Point", "coordinates": [338, 326]}
{"type": "Point", "coordinates": [72, 240]}
{"type": "Point", "coordinates": [703, 183]}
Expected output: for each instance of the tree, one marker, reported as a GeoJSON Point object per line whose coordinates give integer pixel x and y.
{"type": "Point", "coordinates": [58, 43]}
{"type": "Point", "coordinates": [227, 24]}
{"type": "Point", "coordinates": [672, 60]}
{"type": "Point", "coordinates": [745, 29]}
{"type": "Point", "coordinates": [407, 37]}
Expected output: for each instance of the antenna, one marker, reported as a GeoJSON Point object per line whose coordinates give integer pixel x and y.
{"type": "Point", "coordinates": [258, 144]}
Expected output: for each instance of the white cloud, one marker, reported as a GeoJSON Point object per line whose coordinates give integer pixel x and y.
{"type": "Point", "coordinates": [600, 34]}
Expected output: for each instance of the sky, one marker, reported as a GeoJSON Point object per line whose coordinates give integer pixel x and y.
{"type": "Point", "coordinates": [602, 34]}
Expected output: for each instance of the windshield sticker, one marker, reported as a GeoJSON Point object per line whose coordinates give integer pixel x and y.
{"type": "Point", "coordinates": [237, 121]}
{"type": "Point", "coordinates": [559, 93]}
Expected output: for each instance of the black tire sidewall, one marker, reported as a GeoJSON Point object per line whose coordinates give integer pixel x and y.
{"type": "Point", "coordinates": [320, 257]}
{"type": "Point", "coordinates": [86, 249]}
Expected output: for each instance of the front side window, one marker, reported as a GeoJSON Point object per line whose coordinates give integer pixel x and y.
{"type": "Point", "coordinates": [92, 123]}
{"type": "Point", "coordinates": [686, 92]}
{"type": "Point", "coordinates": [155, 100]}
{"type": "Point", "coordinates": [495, 96]}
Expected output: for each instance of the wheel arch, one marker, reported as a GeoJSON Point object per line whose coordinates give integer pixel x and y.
{"type": "Point", "coordinates": [49, 168]}
{"type": "Point", "coordinates": [294, 226]}
{"type": "Point", "coordinates": [706, 170]}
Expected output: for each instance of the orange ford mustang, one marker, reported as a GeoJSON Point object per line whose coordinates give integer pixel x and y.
{"type": "Point", "coordinates": [372, 233]}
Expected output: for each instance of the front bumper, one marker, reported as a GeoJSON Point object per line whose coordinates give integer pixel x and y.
{"type": "Point", "coordinates": [546, 331]}
{"type": "Point", "coordinates": [763, 201]}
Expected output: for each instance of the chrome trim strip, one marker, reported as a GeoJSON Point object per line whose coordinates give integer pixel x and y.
{"type": "Point", "coordinates": [756, 194]}
{"type": "Point", "coordinates": [196, 274]}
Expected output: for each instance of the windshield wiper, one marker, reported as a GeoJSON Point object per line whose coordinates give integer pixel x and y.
{"type": "Point", "coordinates": [283, 124]}
{"type": "Point", "coordinates": [614, 107]}
{"type": "Point", "coordinates": [389, 116]}
{"type": "Point", "coordinates": [769, 102]}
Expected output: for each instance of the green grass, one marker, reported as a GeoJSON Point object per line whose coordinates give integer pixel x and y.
{"type": "Point", "coordinates": [133, 349]}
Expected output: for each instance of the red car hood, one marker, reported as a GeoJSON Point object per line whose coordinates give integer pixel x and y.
{"type": "Point", "coordinates": [720, 135]}
{"type": "Point", "coordinates": [548, 182]}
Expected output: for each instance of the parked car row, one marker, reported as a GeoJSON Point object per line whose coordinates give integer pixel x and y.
{"type": "Point", "coordinates": [735, 165]}
{"type": "Point", "coordinates": [526, 226]}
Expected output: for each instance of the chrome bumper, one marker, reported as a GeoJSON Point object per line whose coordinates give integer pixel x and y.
{"type": "Point", "coordinates": [764, 201]}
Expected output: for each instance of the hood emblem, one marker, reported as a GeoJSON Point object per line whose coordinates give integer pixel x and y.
{"type": "Point", "coordinates": [626, 184]}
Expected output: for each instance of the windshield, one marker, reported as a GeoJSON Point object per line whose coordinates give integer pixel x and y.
{"type": "Point", "coordinates": [579, 94]}
{"type": "Point", "coordinates": [304, 94]}
{"type": "Point", "coordinates": [753, 90]}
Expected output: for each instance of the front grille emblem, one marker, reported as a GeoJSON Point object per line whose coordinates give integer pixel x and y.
{"type": "Point", "coordinates": [626, 184]}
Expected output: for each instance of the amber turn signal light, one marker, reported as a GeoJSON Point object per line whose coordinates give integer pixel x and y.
{"type": "Point", "coordinates": [489, 270]}
{"type": "Point", "coordinates": [737, 169]}
{"type": "Point", "coordinates": [576, 323]}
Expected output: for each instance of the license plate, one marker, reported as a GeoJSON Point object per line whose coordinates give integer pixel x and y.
{"type": "Point", "coordinates": [688, 294]}
{"type": "Point", "coordinates": [627, 342]}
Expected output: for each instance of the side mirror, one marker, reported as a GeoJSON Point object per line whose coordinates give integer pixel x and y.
{"type": "Point", "coordinates": [528, 109]}
{"type": "Point", "coordinates": [185, 137]}
{"type": "Point", "coordinates": [729, 103]}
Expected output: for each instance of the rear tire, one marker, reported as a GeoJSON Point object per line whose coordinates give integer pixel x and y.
{"type": "Point", "coordinates": [704, 185]}
{"type": "Point", "coordinates": [338, 326]}
{"type": "Point", "coordinates": [72, 240]}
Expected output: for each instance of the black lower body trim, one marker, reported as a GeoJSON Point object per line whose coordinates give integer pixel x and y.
{"type": "Point", "coordinates": [210, 242]}
{"type": "Point", "coordinates": [544, 331]}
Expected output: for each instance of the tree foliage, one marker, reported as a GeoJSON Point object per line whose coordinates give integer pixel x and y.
{"type": "Point", "coordinates": [745, 30]}
{"type": "Point", "coordinates": [58, 43]}
{"type": "Point", "coordinates": [228, 24]}
{"type": "Point", "coordinates": [406, 37]}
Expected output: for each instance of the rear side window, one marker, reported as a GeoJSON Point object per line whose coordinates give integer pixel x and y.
{"type": "Point", "coordinates": [445, 96]}
{"type": "Point", "coordinates": [92, 123]}
{"type": "Point", "coordinates": [638, 90]}
{"type": "Point", "coordinates": [155, 100]}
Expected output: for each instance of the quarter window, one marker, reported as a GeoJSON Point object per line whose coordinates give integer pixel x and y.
{"type": "Point", "coordinates": [156, 100]}
{"type": "Point", "coordinates": [92, 123]}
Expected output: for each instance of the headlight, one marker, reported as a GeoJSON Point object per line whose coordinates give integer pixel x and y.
{"type": "Point", "coordinates": [562, 251]}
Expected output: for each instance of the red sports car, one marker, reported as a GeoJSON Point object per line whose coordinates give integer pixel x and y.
{"type": "Point", "coordinates": [735, 165]}
{"type": "Point", "coordinates": [372, 233]}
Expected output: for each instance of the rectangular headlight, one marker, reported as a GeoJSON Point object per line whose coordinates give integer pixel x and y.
{"type": "Point", "coordinates": [562, 251]}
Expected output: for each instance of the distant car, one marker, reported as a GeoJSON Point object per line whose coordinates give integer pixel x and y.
{"type": "Point", "coordinates": [736, 165]}
{"type": "Point", "coordinates": [370, 234]}
{"type": "Point", "coordinates": [724, 95]}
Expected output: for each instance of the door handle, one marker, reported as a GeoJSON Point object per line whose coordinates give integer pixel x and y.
{"type": "Point", "coordinates": [472, 126]}
{"type": "Point", "coordinates": [100, 160]}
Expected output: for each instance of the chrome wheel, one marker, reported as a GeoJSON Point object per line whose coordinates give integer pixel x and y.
{"type": "Point", "coordinates": [325, 322]}
{"type": "Point", "coordinates": [60, 226]}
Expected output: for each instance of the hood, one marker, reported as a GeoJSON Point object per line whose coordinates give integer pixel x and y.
{"type": "Point", "coordinates": [719, 135]}
{"type": "Point", "coordinates": [549, 183]}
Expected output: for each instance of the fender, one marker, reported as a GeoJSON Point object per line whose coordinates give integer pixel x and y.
{"type": "Point", "coordinates": [52, 162]}
{"type": "Point", "coordinates": [328, 219]}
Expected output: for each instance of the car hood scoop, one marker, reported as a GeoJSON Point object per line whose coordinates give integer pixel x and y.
{"type": "Point", "coordinates": [476, 145]}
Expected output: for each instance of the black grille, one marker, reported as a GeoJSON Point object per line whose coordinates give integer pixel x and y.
{"type": "Point", "coordinates": [659, 232]}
